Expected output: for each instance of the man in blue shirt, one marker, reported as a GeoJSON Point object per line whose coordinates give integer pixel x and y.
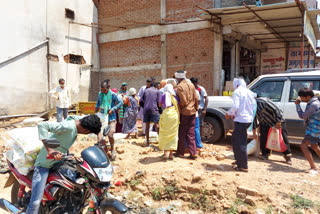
{"type": "Point", "coordinates": [109, 103]}
{"type": "Point", "coordinates": [151, 99]}
{"type": "Point", "coordinates": [312, 130]}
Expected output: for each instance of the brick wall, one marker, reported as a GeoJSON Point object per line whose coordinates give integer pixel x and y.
{"type": "Point", "coordinates": [130, 52]}
{"type": "Point", "coordinates": [186, 9]}
{"type": "Point", "coordinates": [127, 13]}
{"type": "Point", "coordinates": [195, 49]}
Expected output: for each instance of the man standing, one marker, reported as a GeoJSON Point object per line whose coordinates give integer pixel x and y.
{"type": "Point", "coordinates": [311, 118]}
{"type": "Point", "coordinates": [122, 94]}
{"type": "Point", "coordinates": [203, 101]}
{"type": "Point", "coordinates": [269, 115]}
{"type": "Point", "coordinates": [140, 94]}
{"type": "Point", "coordinates": [109, 103]}
{"type": "Point", "coordinates": [189, 104]}
{"type": "Point", "coordinates": [242, 109]}
{"type": "Point", "coordinates": [63, 96]}
{"type": "Point", "coordinates": [151, 99]}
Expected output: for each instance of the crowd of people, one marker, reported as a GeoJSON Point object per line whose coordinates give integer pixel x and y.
{"type": "Point", "coordinates": [175, 109]}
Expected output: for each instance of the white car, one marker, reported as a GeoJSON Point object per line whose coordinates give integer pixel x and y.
{"type": "Point", "coordinates": [282, 89]}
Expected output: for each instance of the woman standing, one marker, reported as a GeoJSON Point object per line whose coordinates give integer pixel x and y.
{"type": "Point", "coordinates": [131, 106]}
{"type": "Point", "coordinates": [169, 123]}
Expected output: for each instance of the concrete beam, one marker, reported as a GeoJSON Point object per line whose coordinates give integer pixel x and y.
{"type": "Point", "coordinates": [131, 68]}
{"type": "Point", "coordinates": [153, 30]}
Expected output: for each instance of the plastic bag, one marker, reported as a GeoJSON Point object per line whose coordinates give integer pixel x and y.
{"type": "Point", "coordinates": [153, 137]}
{"type": "Point", "coordinates": [252, 147]}
{"type": "Point", "coordinates": [25, 146]}
{"type": "Point", "coordinates": [32, 121]}
{"type": "Point", "coordinates": [26, 138]}
{"type": "Point", "coordinates": [119, 137]}
{"type": "Point", "coordinates": [275, 141]}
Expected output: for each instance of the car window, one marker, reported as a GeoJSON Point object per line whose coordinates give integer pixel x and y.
{"type": "Point", "coordinates": [296, 85]}
{"type": "Point", "coordinates": [270, 89]}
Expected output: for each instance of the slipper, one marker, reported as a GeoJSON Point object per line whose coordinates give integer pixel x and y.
{"type": "Point", "coordinates": [234, 163]}
{"type": "Point", "coordinates": [311, 171]}
{"type": "Point", "coordinates": [178, 156]}
{"type": "Point", "coordinates": [170, 158]}
{"type": "Point", "coordinates": [192, 157]}
{"type": "Point", "coordinates": [240, 169]}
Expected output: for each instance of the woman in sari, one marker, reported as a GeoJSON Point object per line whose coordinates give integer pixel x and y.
{"type": "Point", "coordinates": [131, 106]}
{"type": "Point", "coordinates": [169, 123]}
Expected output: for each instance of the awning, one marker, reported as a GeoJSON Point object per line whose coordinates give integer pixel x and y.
{"type": "Point", "coordinates": [267, 24]}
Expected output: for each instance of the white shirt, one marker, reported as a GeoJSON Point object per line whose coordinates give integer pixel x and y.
{"type": "Point", "coordinates": [243, 104]}
{"type": "Point", "coordinates": [62, 95]}
{"type": "Point", "coordinates": [203, 94]}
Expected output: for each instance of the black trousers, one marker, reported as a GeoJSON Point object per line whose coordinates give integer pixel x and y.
{"type": "Point", "coordinates": [239, 144]}
{"type": "Point", "coordinates": [264, 129]}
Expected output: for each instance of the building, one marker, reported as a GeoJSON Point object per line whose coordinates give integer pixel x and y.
{"type": "Point", "coordinates": [158, 37]}
{"type": "Point", "coordinates": [41, 42]}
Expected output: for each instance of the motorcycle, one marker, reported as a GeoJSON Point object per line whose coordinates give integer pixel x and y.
{"type": "Point", "coordinates": [72, 185]}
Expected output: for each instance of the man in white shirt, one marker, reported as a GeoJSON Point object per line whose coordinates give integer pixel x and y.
{"type": "Point", "coordinates": [63, 96]}
{"type": "Point", "coordinates": [241, 110]}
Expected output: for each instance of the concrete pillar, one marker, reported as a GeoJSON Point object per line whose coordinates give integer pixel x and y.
{"type": "Point", "coordinates": [258, 62]}
{"type": "Point", "coordinates": [218, 52]}
{"type": "Point", "coordinates": [235, 60]}
{"type": "Point", "coordinates": [163, 56]}
{"type": "Point", "coordinates": [163, 53]}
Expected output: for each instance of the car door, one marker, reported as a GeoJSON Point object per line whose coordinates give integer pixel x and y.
{"type": "Point", "coordinates": [295, 125]}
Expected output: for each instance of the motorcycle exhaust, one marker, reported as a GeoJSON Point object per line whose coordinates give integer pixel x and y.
{"type": "Point", "coordinates": [7, 206]}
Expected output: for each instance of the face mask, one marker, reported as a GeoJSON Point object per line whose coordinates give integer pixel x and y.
{"type": "Point", "coordinates": [61, 86]}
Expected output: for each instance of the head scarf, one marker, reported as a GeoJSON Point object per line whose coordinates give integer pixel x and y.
{"type": "Point", "coordinates": [168, 91]}
{"type": "Point", "coordinates": [238, 82]}
{"type": "Point", "coordinates": [132, 91]}
{"type": "Point", "coordinates": [180, 75]}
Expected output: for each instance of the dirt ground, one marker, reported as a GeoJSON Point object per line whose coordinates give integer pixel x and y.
{"type": "Point", "coordinates": [148, 184]}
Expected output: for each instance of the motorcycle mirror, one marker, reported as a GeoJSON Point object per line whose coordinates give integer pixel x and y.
{"type": "Point", "coordinates": [51, 143]}
{"type": "Point", "coordinates": [106, 130]}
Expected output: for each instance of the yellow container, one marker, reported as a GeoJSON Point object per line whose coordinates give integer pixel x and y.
{"type": "Point", "coordinates": [225, 93]}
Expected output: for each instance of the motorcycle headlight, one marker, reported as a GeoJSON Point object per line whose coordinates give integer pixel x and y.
{"type": "Point", "coordinates": [104, 174]}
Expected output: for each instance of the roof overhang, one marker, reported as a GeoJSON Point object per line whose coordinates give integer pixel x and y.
{"type": "Point", "coordinates": [274, 23]}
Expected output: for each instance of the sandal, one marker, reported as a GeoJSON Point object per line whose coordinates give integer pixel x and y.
{"type": "Point", "coordinates": [170, 157]}
{"type": "Point", "coordinates": [234, 163]}
{"type": "Point", "coordinates": [164, 157]}
{"type": "Point", "coordinates": [240, 169]}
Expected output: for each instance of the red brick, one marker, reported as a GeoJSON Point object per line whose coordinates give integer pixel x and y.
{"type": "Point", "coordinates": [130, 52]}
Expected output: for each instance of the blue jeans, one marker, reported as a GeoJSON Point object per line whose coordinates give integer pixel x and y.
{"type": "Point", "coordinates": [39, 180]}
{"type": "Point", "coordinates": [62, 112]}
{"type": "Point", "coordinates": [197, 133]}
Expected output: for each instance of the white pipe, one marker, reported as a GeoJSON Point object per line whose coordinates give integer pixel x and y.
{"type": "Point", "coordinates": [23, 52]}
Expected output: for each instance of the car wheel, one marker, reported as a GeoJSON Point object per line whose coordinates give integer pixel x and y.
{"type": "Point", "coordinates": [211, 130]}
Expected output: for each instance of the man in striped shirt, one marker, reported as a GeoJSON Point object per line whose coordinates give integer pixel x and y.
{"type": "Point", "coordinates": [269, 115]}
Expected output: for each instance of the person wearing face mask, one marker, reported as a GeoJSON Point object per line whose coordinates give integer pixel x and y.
{"type": "Point", "coordinates": [63, 96]}
{"type": "Point", "coordinates": [241, 111]}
